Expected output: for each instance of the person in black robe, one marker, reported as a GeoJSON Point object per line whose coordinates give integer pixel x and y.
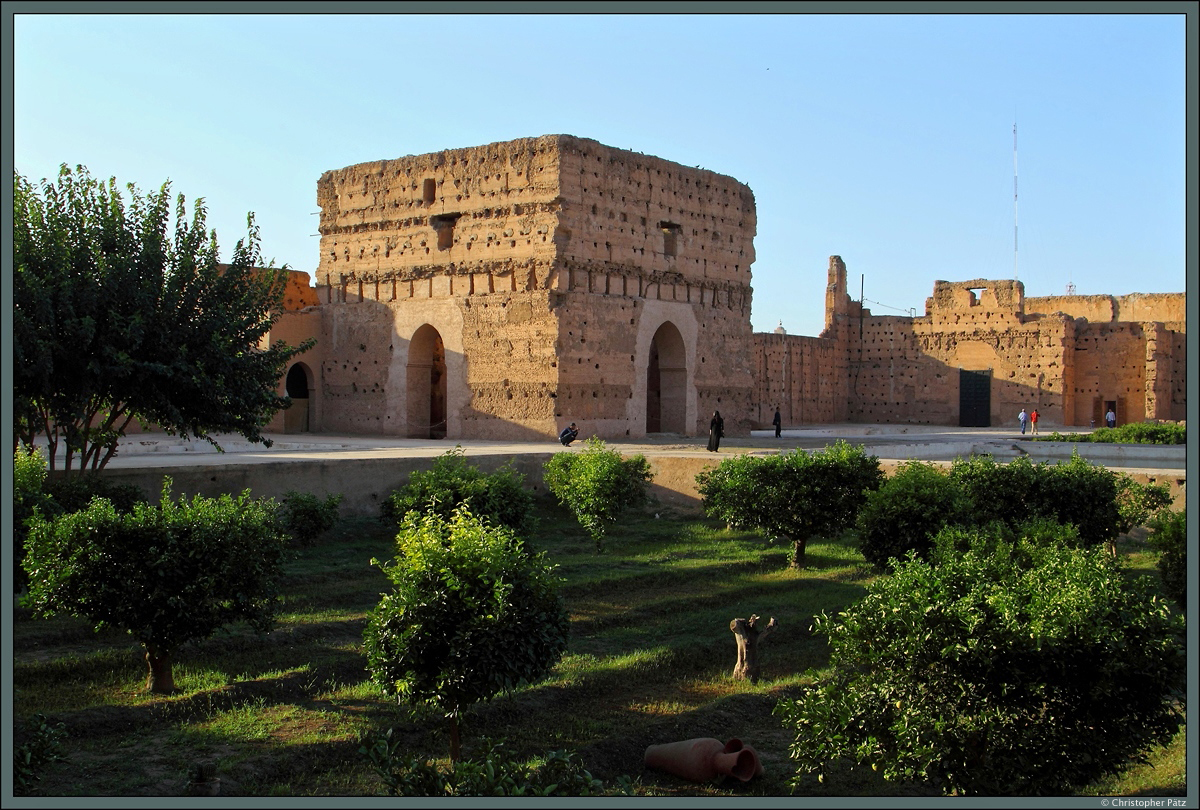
{"type": "Point", "coordinates": [716, 429]}
{"type": "Point", "coordinates": [778, 423]}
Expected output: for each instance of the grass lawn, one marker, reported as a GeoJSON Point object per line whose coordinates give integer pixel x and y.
{"type": "Point", "coordinates": [649, 661]}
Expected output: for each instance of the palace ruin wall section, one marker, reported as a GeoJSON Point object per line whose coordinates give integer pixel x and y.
{"type": "Point", "coordinates": [545, 265]}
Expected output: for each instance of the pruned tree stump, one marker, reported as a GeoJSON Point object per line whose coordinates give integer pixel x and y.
{"type": "Point", "coordinates": [748, 635]}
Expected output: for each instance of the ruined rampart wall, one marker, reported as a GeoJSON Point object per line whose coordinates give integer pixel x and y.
{"type": "Point", "coordinates": [1116, 362]}
{"type": "Point", "coordinates": [1167, 308]}
{"type": "Point", "coordinates": [805, 377]}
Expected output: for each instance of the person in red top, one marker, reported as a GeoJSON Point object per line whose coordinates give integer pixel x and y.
{"type": "Point", "coordinates": [1033, 420]}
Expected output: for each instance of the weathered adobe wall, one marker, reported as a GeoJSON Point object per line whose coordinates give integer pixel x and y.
{"type": "Point", "coordinates": [649, 242]}
{"type": "Point", "coordinates": [510, 250]}
{"type": "Point", "coordinates": [805, 377]}
{"type": "Point", "coordinates": [1110, 365]}
{"type": "Point", "coordinates": [462, 240]}
{"type": "Point", "coordinates": [1166, 308]}
{"type": "Point", "coordinates": [482, 219]}
{"type": "Point", "coordinates": [907, 369]}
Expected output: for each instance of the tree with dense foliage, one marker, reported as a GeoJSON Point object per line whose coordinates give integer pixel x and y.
{"type": "Point", "coordinates": [472, 613]}
{"type": "Point", "coordinates": [453, 482]}
{"type": "Point", "coordinates": [597, 484]}
{"type": "Point", "coordinates": [794, 496]}
{"type": "Point", "coordinates": [115, 321]}
{"type": "Point", "coordinates": [1024, 667]}
{"type": "Point", "coordinates": [167, 574]}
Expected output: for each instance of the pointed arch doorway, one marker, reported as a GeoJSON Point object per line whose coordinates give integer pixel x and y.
{"type": "Point", "coordinates": [426, 379]}
{"type": "Point", "coordinates": [666, 382]}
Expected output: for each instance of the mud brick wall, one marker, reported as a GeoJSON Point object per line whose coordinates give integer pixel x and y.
{"type": "Point", "coordinates": [1067, 356]}
{"type": "Point", "coordinates": [805, 377]}
{"type": "Point", "coordinates": [541, 281]}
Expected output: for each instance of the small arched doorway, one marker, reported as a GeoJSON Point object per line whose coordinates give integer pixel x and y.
{"type": "Point", "coordinates": [426, 375]}
{"type": "Point", "coordinates": [666, 382]}
{"type": "Point", "coordinates": [296, 386]}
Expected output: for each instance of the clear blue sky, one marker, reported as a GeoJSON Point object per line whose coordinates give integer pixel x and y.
{"type": "Point", "coordinates": [887, 139]}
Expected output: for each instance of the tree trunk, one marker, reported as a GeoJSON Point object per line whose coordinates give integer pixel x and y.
{"type": "Point", "coordinates": [798, 547]}
{"type": "Point", "coordinates": [161, 679]}
{"type": "Point", "coordinates": [455, 741]}
{"type": "Point", "coordinates": [747, 635]}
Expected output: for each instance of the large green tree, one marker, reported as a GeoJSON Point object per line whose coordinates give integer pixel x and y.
{"type": "Point", "coordinates": [116, 319]}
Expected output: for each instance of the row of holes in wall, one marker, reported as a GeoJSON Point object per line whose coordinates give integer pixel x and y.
{"type": "Point", "coordinates": [340, 290]}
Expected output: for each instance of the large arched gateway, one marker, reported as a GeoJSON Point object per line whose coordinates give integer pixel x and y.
{"type": "Point", "coordinates": [426, 376]}
{"type": "Point", "coordinates": [666, 382]}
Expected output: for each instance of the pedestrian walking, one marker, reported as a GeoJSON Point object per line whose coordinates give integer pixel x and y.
{"type": "Point", "coordinates": [1033, 420]}
{"type": "Point", "coordinates": [1023, 418]}
{"type": "Point", "coordinates": [778, 423]}
{"type": "Point", "coordinates": [716, 429]}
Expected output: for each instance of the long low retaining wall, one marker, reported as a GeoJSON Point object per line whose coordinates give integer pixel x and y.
{"type": "Point", "coordinates": [365, 483]}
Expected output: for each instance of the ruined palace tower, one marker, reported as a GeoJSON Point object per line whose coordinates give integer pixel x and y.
{"type": "Point", "coordinates": [503, 291]}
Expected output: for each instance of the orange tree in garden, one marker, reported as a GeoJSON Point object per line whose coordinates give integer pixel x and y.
{"type": "Point", "coordinates": [168, 573]}
{"type": "Point", "coordinates": [473, 613]}
{"type": "Point", "coordinates": [116, 320]}
{"type": "Point", "coordinates": [793, 496]}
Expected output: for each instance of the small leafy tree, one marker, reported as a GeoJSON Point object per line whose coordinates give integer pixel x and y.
{"type": "Point", "coordinates": [453, 482]}
{"type": "Point", "coordinates": [167, 574]}
{"type": "Point", "coordinates": [597, 484]}
{"type": "Point", "coordinates": [794, 496]}
{"type": "Point", "coordinates": [1011, 668]}
{"type": "Point", "coordinates": [472, 613]}
{"type": "Point", "coordinates": [115, 321]}
{"type": "Point", "coordinates": [907, 511]}
{"type": "Point", "coordinates": [306, 517]}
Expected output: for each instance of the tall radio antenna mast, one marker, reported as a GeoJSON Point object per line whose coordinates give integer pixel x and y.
{"type": "Point", "coordinates": [1014, 201]}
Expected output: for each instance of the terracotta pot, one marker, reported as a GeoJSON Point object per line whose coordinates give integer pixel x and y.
{"type": "Point", "coordinates": [705, 758]}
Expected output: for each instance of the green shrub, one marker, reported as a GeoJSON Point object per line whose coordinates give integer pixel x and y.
{"type": "Point", "coordinates": [725, 489]}
{"type": "Point", "coordinates": [491, 773]}
{"type": "Point", "coordinates": [597, 484]}
{"type": "Point", "coordinates": [167, 574]}
{"type": "Point", "coordinates": [1131, 433]}
{"type": "Point", "coordinates": [1007, 669]}
{"type": "Point", "coordinates": [29, 484]}
{"type": "Point", "coordinates": [75, 491]}
{"type": "Point", "coordinates": [918, 501]}
{"type": "Point", "coordinates": [794, 496]}
{"type": "Point", "coordinates": [997, 491]}
{"type": "Point", "coordinates": [42, 744]}
{"type": "Point", "coordinates": [471, 614]}
{"type": "Point", "coordinates": [452, 482]}
{"type": "Point", "coordinates": [306, 517]}
{"type": "Point", "coordinates": [1170, 538]}
{"type": "Point", "coordinates": [906, 512]}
